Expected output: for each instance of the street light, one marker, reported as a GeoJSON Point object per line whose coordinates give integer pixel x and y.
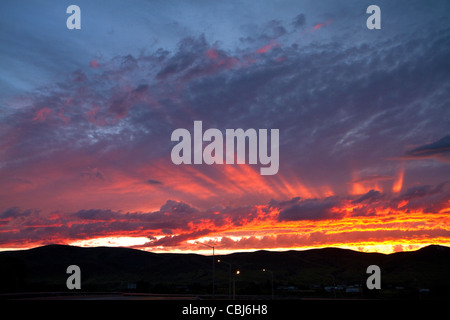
{"type": "Point", "coordinates": [234, 284]}
{"type": "Point", "coordinates": [214, 268]}
{"type": "Point", "coordinates": [229, 276]}
{"type": "Point", "coordinates": [272, 280]}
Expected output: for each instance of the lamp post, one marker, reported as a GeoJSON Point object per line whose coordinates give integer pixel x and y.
{"type": "Point", "coordinates": [234, 284]}
{"type": "Point", "coordinates": [213, 266]}
{"type": "Point", "coordinates": [265, 270]}
{"type": "Point", "coordinates": [229, 276]}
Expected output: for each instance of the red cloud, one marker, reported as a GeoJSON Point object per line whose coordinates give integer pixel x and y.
{"type": "Point", "coordinates": [321, 25]}
{"type": "Point", "coordinates": [268, 47]}
{"type": "Point", "coordinates": [212, 54]}
{"type": "Point", "coordinates": [42, 114]}
{"type": "Point", "coordinates": [93, 64]}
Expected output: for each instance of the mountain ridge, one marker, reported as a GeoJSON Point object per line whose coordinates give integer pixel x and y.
{"type": "Point", "coordinates": [112, 269]}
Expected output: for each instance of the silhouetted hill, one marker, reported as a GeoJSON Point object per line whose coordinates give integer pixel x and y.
{"type": "Point", "coordinates": [307, 272]}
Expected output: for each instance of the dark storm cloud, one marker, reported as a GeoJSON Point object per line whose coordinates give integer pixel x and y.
{"type": "Point", "coordinates": [299, 20]}
{"type": "Point", "coordinates": [186, 55]}
{"type": "Point", "coordinates": [428, 198]}
{"type": "Point", "coordinates": [439, 150]}
{"type": "Point", "coordinates": [274, 29]}
{"type": "Point", "coordinates": [372, 195]}
{"type": "Point", "coordinates": [174, 240]}
{"type": "Point", "coordinates": [284, 204]}
{"type": "Point", "coordinates": [13, 213]}
{"type": "Point", "coordinates": [423, 191]}
{"type": "Point", "coordinates": [175, 208]}
{"type": "Point", "coordinates": [93, 173]}
{"type": "Point", "coordinates": [151, 181]}
{"type": "Point", "coordinates": [311, 209]}
{"type": "Point", "coordinates": [96, 214]}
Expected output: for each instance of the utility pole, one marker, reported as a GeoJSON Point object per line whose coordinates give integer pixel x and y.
{"type": "Point", "coordinates": [229, 276]}
{"type": "Point", "coordinates": [271, 272]}
{"type": "Point", "coordinates": [213, 269]}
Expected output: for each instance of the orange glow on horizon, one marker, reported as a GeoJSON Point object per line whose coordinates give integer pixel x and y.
{"type": "Point", "coordinates": [233, 208]}
{"type": "Point", "coordinates": [386, 231]}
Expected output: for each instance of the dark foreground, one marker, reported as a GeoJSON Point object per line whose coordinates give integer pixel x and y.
{"type": "Point", "coordinates": [322, 274]}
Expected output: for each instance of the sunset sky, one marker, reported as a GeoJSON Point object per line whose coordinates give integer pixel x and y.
{"type": "Point", "coordinates": [86, 118]}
